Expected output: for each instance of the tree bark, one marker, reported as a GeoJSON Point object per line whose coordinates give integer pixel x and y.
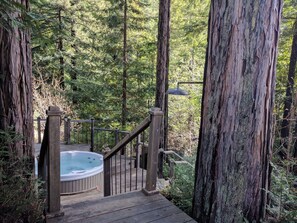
{"type": "Point", "coordinates": [16, 85]}
{"type": "Point", "coordinates": [60, 49]}
{"type": "Point", "coordinates": [125, 60]}
{"type": "Point", "coordinates": [232, 169]}
{"type": "Point", "coordinates": [288, 113]}
{"type": "Point", "coordinates": [295, 144]}
{"type": "Point", "coordinates": [73, 73]}
{"type": "Point", "coordinates": [161, 98]}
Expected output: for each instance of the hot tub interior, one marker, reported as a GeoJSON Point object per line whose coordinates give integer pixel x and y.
{"type": "Point", "coordinates": [74, 162]}
{"type": "Point", "coordinates": [81, 171]}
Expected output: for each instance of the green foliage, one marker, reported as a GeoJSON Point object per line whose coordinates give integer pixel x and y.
{"type": "Point", "coordinates": [96, 48]}
{"type": "Point", "coordinates": [18, 189]}
{"type": "Point", "coordinates": [181, 188]}
{"type": "Point", "coordinates": [283, 196]}
{"type": "Point", "coordinates": [187, 57]}
{"type": "Point", "coordinates": [8, 18]}
{"type": "Point", "coordinates": [284, 52]}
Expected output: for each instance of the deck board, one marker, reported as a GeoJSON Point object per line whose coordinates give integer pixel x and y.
{"type": "Point", "coordinates": [130, 207]}
{"type": "Point", "coordinates": [149, 215]}
{"type": "Point", "coordinates": [126, 212]}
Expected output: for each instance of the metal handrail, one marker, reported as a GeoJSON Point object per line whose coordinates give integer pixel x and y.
{"type": "Point", "coordinates": [171, 152]}
{"type": "Point", "coordinates": [121, 147]}
{"type": "Point", "coordinates": [128, 138]}
{"type": "Point", "coordinates": [153, 122]}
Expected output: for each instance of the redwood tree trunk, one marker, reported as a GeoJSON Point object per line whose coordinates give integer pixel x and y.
{"type": "Point", "coordinates": [15, 85]}
{"type": "Point", "coordinates": [161, 99]}
{"type": "Point", "coordinates": [288, 113]}
{"type": "Point", "coordinates": [232, 170]}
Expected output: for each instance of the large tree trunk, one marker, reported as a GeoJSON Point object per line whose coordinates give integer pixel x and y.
{"type": "Point", "coordinates": [288, 113]}
{"type": "Point", "coordinates": [232, 170]}
{"type": "Point", "coordinates": [15, 85]}
{"type": "Point", "coordinates": [161, 99]}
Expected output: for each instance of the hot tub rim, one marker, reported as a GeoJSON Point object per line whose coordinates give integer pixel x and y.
{"type": "Point", "coordinates": [78, 176]}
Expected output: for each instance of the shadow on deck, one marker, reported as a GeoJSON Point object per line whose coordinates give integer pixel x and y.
{"type": "Point", "coordinates": [133, 207]}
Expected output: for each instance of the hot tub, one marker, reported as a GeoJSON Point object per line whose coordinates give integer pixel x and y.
{"type": "Point", "coordinates": [81, 171]}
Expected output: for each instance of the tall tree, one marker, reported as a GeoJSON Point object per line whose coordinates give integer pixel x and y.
{"type": "Point", "coordinates": [15, 81]}
{"type": "Point", "coordinates": [50, 42]}
{"type": "Point", "coordinates": [60, 49]}
{"type": "Point", "coordinates": [73, 70]}
{"type": "Point", "coordinates": [161, 99]}
{"type": "Point", "coordinates": [125, 61]}
{"type": "Point", "coordinates": [232, 169]}
{"type": "Point", "coordinates": [288, 113]}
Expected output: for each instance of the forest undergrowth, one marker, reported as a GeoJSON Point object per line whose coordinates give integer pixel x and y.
{"type": "Point", "coordinates": [20, 201]}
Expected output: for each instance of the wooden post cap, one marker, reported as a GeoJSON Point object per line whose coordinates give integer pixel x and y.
{"type": "Point", "coordinates": [156, 112]}
{"type": "Point", "coordinates": [54, 111]}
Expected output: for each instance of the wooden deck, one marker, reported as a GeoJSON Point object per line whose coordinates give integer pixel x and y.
{"type": "Point", "coordinates": [133, 207]}
{"type": "Point", "coordinates": [92, 207]}
{"type": "Point", "coordinates": [125, 181]}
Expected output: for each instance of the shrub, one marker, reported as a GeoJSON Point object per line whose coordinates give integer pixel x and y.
{"type": "Point", "coordinates": [283, 207]}
{"type": "Point", "coordinates": [19, 200]}
{"type": "Point", "coordinates": [181, 188]}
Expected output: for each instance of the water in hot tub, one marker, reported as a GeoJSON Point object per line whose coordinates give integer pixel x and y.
{"type": "Point", "coordinates": [72, 163]}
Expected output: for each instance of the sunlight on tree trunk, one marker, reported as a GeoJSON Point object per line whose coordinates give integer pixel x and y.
{"type": "Point", "coordinates": [161, 99]}
{"type": "Point", "coordinates": [232, 170]}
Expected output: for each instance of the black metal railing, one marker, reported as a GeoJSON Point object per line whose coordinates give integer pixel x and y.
{"type": "Point", "coordinates": [128, 166]}
{"type": "Point", "coordinates": [131, 164]}
{"type": "Point", "coordinates": [77, 131]}
{"type": "Point", "coordinates": [83, 131]}
{"type": "Point", "coordinates": [105, 139]}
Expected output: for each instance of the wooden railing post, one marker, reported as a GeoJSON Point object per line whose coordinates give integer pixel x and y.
{"type": "Point", "coordinates": [92, 134]}
{"type": "Point", "coordinates": [68, 141]}
{"type": "Point", "coordinates": [107, 175]}
{"type": "Point", "coordinates": [39, 129]}
{"type": "Point", "coordinates": [53, 161]}
{"type": "Point", "coordinates": [153, 149]}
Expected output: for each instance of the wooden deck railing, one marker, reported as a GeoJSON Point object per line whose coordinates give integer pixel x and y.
{"type": "Point", "coordinates": [138, 150]}
{"type": "Point", "coordinates": [49, 161]}
{"type": "Point", "coordinates": [83, 131]}
{"type": "Point", "coordinates": [120, 155]}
